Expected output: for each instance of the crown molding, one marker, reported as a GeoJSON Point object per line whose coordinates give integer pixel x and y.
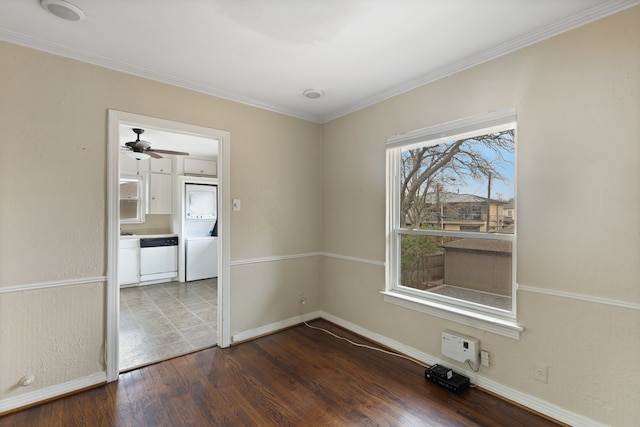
{"type": "Point", "coordinates": [585, 17]}
{"type": "Point", "coordinates": [597, 12]}
{"type": "Point", "coordinates": [101, 61]}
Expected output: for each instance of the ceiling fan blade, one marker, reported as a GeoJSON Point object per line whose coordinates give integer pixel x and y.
{"type": "Point", "coordinates": [142, 146]}
{"type": "Point", "coordinates": [178, 153]}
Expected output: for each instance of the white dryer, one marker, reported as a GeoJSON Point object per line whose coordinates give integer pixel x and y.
{"type": "Point", "coordinates": [200, 231]}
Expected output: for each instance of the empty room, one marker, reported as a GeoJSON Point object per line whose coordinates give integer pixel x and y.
{"type": "Point", "coordinates": [320, 212]}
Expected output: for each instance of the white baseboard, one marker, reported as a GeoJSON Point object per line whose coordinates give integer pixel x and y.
{"type": "Point", "coordinates": [534, 403]}
{"type": "Point", "coordinates": [273, 327]}
{"type": "Point", "coordinates": [539, 405]}
{"type": "Point", "coordinates": [51, 392]}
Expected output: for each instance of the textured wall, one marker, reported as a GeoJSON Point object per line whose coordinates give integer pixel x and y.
{"type": "Point", "coordinates": [577, 97]}
{"type": "Point", "coordinates": [54, 334]}
{"type": "Point", "coordinates": [53, 198]}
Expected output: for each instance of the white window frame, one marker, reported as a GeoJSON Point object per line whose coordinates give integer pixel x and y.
{"type": "Point", "coordinates": [141, 199]}
{"type": "Point", "coordinates": [482, 317]}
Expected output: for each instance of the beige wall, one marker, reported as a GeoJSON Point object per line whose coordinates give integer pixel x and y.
{"type": "Point", "coordinates": [578, 150]}
{"type": "Point", "coordinates": [577, 97]}
{"type": "Point", "coordinates": [53, 190]}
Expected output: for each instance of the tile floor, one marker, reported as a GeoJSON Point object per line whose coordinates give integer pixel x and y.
{"type": "Point", "coordinates": [165, 320]}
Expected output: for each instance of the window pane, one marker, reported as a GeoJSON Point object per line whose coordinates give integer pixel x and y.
{"type": "Point", "coordinates": [421, 262]}
{"type": "Point", "coordinates": [473, 270]}
{"type": "Point", "coordinates": [461, 185]}
{"type": "Point", "coordinates": [131, 199]}
{"type": "Point", "coordinates": [129, 189]}
{"type": "Point", "coordinates": [129, 210]}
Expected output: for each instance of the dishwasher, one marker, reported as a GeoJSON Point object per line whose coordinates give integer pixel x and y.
{"type": "Point", "coordinates": [158, 258]}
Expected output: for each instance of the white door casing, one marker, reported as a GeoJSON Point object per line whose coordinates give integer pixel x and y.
{"type": "Point", "coordinates": [113, 227]}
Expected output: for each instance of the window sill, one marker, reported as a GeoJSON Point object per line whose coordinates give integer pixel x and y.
{"type": "Point", "coordinates": [504, 327]}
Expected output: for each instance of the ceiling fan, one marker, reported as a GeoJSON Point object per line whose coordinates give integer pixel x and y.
{"type": "Point", "coordinates": [141, 149]}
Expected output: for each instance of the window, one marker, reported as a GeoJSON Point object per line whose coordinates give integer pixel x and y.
{"type": "Point", "coordinates": [451, 243]}
{"type": "Point", "coordinates": [131, 199]}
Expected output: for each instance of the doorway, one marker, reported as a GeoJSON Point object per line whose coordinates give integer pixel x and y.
{"type": "Point", "coordinates": [199, 301]}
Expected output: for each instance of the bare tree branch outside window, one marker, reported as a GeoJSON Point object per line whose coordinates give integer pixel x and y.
{"type": "Point", "coordinates": [430, 198]}
{"type": "Point", "coordinates": [436, 169]}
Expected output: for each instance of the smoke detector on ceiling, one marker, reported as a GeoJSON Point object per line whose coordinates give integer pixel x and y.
{"type": "Point", "coordinates": [313, 93]}
{"type": "Point", "coordinates": [63, 9]}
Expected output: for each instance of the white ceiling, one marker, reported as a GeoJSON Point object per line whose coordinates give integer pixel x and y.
{"type": "Point", "coordinates": [267, 52]}
{"type": "Point", "coordinates": [196, 146]}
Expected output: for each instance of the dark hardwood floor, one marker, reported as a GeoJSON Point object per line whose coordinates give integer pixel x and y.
{"type": "Point", "coordinates": [298, 377]}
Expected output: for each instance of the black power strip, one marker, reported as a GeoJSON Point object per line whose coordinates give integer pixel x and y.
{"type": "Point", "coordinates": [447, 378]}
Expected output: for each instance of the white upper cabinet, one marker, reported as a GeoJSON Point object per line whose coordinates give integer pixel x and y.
{"type": "Point", "coordinates": [160, 193]}
{"type": "Point", "coordinates": [160, 189]}
{"type": "Point", "coordinates": [200, 167]}
{"type": "Point", "coordinates": [162, 165]}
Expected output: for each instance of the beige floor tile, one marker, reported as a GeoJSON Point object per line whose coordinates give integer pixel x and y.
{"type": "Point", "coordinates": [166, 320]}
{"type": "Point", "coordinates": [165, 338]}
{"type": "Point", "coordinates": [173, 349]}
{"type": "Point", "coordinates": [189, 322]}
{"type": "Point", "coordinates": [159, 329]}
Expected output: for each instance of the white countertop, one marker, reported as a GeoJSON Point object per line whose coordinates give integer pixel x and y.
{"type": "Point", "coordinates": [147, 236]}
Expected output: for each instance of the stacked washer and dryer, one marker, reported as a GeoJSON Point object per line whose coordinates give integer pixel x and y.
{"type": "Point", "coordinates": [200, 231]}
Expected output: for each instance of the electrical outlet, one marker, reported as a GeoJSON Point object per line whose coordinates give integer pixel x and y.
{"type": "Point", "coordinates": [541, 372]}
{"type": "Point", "coordinates": [301, 298]}
{"type": "Point", "coordinates": [484, 358]}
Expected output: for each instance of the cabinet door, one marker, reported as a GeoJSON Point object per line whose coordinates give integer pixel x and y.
{"type": "Point", "coordinates": [162, 165]}
{"type": "Point", "coordinates": [159, 193]}
{"type": "Point", "coordinates": [200, 167]}
{"type": "Point", "coordinates": [128, 262]}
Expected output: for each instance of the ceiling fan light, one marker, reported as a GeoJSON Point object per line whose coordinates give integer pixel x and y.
{"type": "Point", "coordinates": [138, 156]}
